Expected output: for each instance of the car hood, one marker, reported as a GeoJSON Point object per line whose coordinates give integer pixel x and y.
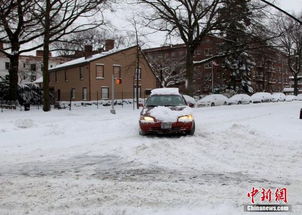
{"type": "Point", "coordinates": [166, 114]}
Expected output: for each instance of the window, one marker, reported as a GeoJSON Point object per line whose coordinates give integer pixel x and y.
{"type": "Point", "coordinates": [208, 65]}
{"type": "Point", "coordinates": [33, 77]}
{"type": "Point", "coordinates": [208, 52]}
{"type": "Point", "coordinates": [24, 65]}
{"type": "Point", "coordinates": [73, 93]}
{"type": "Point", "coordinates": [117, 72]}
{"type": "Point", "coordinates": [197, 52]}
{"type": "Point", "coordinates": [134, 91]}
{"type": "Point", "coordinates": [65, 75]}
{"type": "Point", "coordinates": [33, 67]}
{"type": "Point", "coordinates": [7, 65]}
{"type": "Point", "coordinates": [59, 95]}
{"type": "Point", "coordinates": [139, 75]}
{"type": "Point", "coordinates": [84, 93]}
{"type": "Point", "coordinates": [105, 92]}
{"type": "Point", "coordinates": [100, 71]}
{"type": "Point", "coordinates": [81, 70]}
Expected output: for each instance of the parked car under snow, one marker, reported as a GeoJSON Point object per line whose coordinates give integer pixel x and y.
{"type": "Point", "coordinates": [278, 97]}
{"type": "Point", "coordinates": [299, 97]}
{"type": "Point", "coordinates": [239, 99]}
{"type": "Point", "coordinates": [290, 98]}
{"type": "Point", "coordinates": [190, 100]}
{"type": "Point", "coordinates": [166, 111]}
{"type": "Point", "coordinates": [261, 97]}
{"type": "Point", "coordinates": [212, 100]}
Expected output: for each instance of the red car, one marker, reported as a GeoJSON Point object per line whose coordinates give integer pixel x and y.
{"type": "Point", "coordinates": [166, 111]}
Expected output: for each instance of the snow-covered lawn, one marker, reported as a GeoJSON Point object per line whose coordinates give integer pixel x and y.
{"type": "Point", "coordinates": [88, 161]}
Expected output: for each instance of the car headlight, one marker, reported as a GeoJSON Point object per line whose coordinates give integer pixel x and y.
{"type": "Point", "coordinates": [186, 118]}
{"type": "Point", "coordinates": [147, 119]}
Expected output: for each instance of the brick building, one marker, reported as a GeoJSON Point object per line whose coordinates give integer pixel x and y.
{"type": "Point", "coordinates": [89, 78]}
{"type": "Point", "coordinates": [270, 74]}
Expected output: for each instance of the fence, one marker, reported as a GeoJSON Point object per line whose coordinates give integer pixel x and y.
{"type": "Point", "coordinates": [67, 99]}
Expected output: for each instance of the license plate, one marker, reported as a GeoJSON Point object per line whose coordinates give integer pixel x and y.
{"type": "Point", "coordinates": [166, 125]}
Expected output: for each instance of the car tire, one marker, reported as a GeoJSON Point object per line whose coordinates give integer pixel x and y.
{"type": "Point", "coordinates": [212, 104]}
{"type": "Point", "coordinates": [142, 133]}
{"type": "Point", "coordinates": [239, 102]}
{"type": "Point", "coordinates": [192, 131]}
{"type": "Point", "coordinates": [224, 103]}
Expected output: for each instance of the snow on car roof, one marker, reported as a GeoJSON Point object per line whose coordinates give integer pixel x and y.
{"type": "Point", "coordinates": [165, 91]}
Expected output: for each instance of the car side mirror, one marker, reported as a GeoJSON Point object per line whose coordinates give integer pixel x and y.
{"type": "Point", "coordinates": [191, 105]}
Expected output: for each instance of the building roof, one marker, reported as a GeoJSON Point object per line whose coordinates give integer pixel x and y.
{"type": "Point", "coordinates": [83, 60]}
{"type": "Point", "coordinates": [39, 80]}
{"type": "Point", "coordinates": [292, 77]}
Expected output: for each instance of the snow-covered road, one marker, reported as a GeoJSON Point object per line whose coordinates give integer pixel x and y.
{"type": "Point", "coordinates": [87, 161]}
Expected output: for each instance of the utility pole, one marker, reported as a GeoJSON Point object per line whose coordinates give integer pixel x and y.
{"type": "Point", "coordinates": [212, 77]}
{"type": "Point", "coordinates": [112, 97]}
{"type": "Point", "coordinates": [137, 66]}
{"type": "Point", "coordinates": [296, 75]}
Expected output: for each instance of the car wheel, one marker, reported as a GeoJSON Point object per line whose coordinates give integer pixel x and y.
{"type": "Point", "coordinates": [224, 103]}
{"type": "Point", "coordinates": [212, 104]}
{"type": "Point", "coordinates": [192, 131]}
{"type": "Point", "coordinates": [142, 133]}
{"type": "Point", "coordinates": [239, 102]}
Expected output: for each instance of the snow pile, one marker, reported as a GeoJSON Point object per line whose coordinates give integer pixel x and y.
{"type": "Point", "coordinates": [165, 114]}
{"type": "Point", "coordinates": [24, 123]}
{"type": "Point", "coordinates": [88, 161]}
{"type": "Point", "coordinates": [165, 91]}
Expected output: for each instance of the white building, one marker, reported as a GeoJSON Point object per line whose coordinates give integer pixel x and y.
{"type": "Point", "coordinates": [30, 67]}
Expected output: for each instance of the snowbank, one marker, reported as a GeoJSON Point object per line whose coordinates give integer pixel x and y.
{"type": "Point", "coordinates": [88, 161]}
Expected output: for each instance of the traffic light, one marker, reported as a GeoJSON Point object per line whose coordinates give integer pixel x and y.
{"type": "Point", "coordinates": [118, 81]}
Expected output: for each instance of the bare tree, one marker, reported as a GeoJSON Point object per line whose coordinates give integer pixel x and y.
{"type": "Point", "coordinates": [168, 71]}
{"type": "Point", "coordinates": [19, 25]}
{"type": "Point", "coordinates": [59, 20]}
{"type": "Point", "coordinates": [291, 43]}
{"type": "Point", "coordinates": [190, 20]}
{"type": "Point", "coordinates": [94, 37]}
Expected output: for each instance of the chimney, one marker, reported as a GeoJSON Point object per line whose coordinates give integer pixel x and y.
{"type": "Point", "coordinates": [88, 48]}
{"type": "Point", "coordinates": [88, 51]}
{"type": "Point", "coordinates": [39, 53]}
{"type": "Point", "coordinates": [109, 44]}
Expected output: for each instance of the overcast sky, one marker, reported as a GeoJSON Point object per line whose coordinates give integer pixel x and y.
{"type": "Point", "coordinates": [122, 12]}
{"type": "Point", "coordinates": [291, 5]}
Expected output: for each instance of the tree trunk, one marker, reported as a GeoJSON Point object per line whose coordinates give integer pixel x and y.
{"type": "Point", "coordinates": [46, 98]}
{"type": "Point", "coordinates": [296, 84]}
{"type": "Point", "coordinates": [13, 77]}
{"type": "Point", "coordinates": [189, 71]}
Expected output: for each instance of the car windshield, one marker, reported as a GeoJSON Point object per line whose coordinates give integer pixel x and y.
{"type": "Point", "coordinates": [165, 100]}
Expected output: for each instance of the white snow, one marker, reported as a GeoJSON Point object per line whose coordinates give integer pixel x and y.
{"type": "Point", "coordinates": [165, 114]}
{"type": "Point", "coordinates": [88, 161]}
{"type": "Point", "coordinates": [165, 91]}
{"type": "Point", "coordinates": [189, 99]}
